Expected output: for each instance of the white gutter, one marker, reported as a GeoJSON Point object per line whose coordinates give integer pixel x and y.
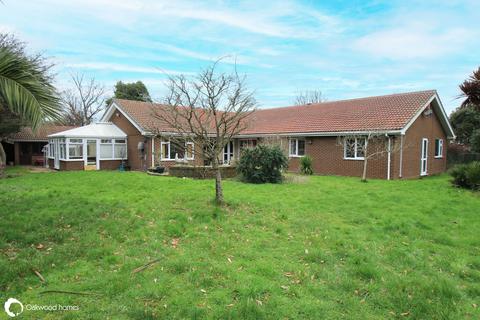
{"type": "Point", "coordinates": [317, 134]}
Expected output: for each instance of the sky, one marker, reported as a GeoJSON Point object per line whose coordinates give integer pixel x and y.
{"type": "Point", "coordinates": [346, 49]}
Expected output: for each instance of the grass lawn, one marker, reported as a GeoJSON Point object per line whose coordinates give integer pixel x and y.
{"type": "Point", "coordinates": [324, 248]}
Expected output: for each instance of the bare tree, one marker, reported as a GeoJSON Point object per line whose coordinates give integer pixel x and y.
{"type": "Point", "coordinates": [83, 102]}
{"type": "Point", "coordinates": [309, 97]}
{"type": "Point", "coordinates": [209, 110]}
{"type": "Point", "coordinates": [366, 146]}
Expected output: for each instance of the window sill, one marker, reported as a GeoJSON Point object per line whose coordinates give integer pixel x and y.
{"type": "Point", "coordinates": [438, 157]}
{"type": "Point", "coordinates": [295, 156]}
{"type": "Point", "coordinates": [354, 159]}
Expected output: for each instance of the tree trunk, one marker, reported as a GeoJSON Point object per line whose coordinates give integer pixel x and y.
{"type": "Point", "coordinates": [218, 183]}
{"type": "Point", "coordinates": [3, 160]}
{"type": "Point", "coordinates": [364, 174]}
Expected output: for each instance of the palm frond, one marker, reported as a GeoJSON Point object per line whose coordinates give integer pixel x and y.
{"type": "Point", "coordinates": [26, 90]}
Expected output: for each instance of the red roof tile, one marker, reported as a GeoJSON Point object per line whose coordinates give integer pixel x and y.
{"type": "Point", "coordinates": [390, 112]}
{"type": "Point", "coordinates": [26, 133]}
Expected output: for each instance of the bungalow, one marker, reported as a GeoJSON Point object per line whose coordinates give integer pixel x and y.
{"type": "Point", "coordinates": [414, 124]}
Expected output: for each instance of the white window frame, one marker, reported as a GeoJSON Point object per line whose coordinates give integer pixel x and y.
{"type": "Point", "coordinates": [70, 143]}
{"type": "Point", "coordinates": [185, 153]}
{"type": "Point", "coordinates": [62, 142]}
{"type": "Point", "coordinates": [439, 151]}
{"type": "Point", "coordinates": [355, 157]}
{"type": "Point", "coordinates": [228, 152]}
{"type": "Point", "coordinates": [296, 154]}
{"type": "Point", "coordinates": [424, 157]}
{"type": "Point", "coordinates": [51, 149]}
{"type": "Point", "coordinates": [193, 150]}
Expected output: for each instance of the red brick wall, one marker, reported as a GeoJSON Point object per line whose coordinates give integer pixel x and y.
{"type": "Point", "coordinates": [71, 165]}
{"type": "Point", "coordinates": [424, 127]}
{"type": "Point", "coordinates": [135, 160]}
{"type": "Point", "coordinates": [110, 164]}
{"type": "Point", "coordinates": [328, 159]}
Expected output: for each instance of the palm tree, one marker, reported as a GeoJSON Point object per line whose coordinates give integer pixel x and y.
{"type": "Point", "coordinates": [25, 86]}
{"type": "Point", "coordinates": [471, 90]}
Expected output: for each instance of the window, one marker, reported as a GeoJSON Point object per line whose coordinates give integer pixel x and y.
{"type": "Point", "coordinates": [63, 147]}
{"type": "Point", "coordinates": [354, 148]}
{"type": "Point", "coordinates": [247, 143]}
{"type": "Point", "coordinates": [228, 152]}
{"type": "Point", "coordinates": [106, 149]}
{"type": "Point", "coordinates": [438, 148]}
{"type": "Point", "coordinates": [173, 151]}
{"type": "Point", "coordinates": [75, 149]}
{"type": "Point", "coordinates": [297, 147]}
{"type": "Point", "coordinates": [51, 149]}
{"type": "Point", "coordinates": [120, 149]}
{"type": "Point", "coordinates": [189, 150]}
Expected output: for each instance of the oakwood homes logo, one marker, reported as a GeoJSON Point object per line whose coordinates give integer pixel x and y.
{"type": "Point", "coordinates": [8, 305]}
{"type": "Point", "coordinates": [14, 312]}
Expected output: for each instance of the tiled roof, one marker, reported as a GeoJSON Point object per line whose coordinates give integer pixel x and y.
{"type": "Point", "coordinates": [390, 112]}
{"type": "Point", "coordinates": [26, 133]}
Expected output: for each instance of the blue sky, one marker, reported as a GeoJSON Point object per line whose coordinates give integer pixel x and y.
{"type": "Point", "coordinates": [345, 49]}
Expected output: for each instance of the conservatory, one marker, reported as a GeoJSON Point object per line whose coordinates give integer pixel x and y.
{"type": "Point", "coordinates": [92, 147]}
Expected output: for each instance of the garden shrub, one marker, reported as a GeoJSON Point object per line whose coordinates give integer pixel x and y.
{"type": "Point", "coordinates": [306, 165]}
{"type": "Point", "coordinates": [262, 164]}
{"type": "Point", "coordinates": [467, 175]}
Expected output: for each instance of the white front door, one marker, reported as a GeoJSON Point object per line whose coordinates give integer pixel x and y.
{"type": "Point", "coordinates": [56, 157]}
{"type": "Point", "coordinates": [424, 157]}
{"type": "Point", "coordinates": [92, 158]}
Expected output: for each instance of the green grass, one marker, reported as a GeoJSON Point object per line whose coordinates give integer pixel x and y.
{"type": "Point", "coordinates": [322, 247]}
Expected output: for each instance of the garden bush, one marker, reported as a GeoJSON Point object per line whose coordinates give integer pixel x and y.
{"type": "Point", "coordinates": [467, 175]}
{"type": "Point", "coordinates": [306, 165]}
{"type": "Point", "coordinates": [262, 164]}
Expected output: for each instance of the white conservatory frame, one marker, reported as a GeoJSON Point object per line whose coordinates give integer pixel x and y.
{"type": "Point", "coordinates": [105, 136]}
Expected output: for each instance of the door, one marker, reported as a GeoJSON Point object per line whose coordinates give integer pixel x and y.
{"type": "Point", "coordinates": [92, 157]}
{"type": "Point", "coordinates": [56, 156]}
{"type": "Point", "coordinates": [228, 153]}
{"type": "Point", "coordinates": [424, 157]}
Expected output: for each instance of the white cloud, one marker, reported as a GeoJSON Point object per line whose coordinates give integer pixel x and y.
{"type": "Point", "coordinates": [122, 68]}
{"type": "Point", "coordinates": [412, 42]}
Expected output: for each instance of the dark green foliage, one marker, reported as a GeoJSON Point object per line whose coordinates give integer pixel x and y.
{"type": "Point", "coordinates": [262, 164]}
{"type": "Point", "coordinates": [464, 122]}
{"type": "Point", "coordinates": [306, 165]}
{"type": "Point", "coordinates": [131, 91]}
{"type": "Point", "coordinates": [475, 141]}
{"type": "Point", "coordinates": [467, 175]}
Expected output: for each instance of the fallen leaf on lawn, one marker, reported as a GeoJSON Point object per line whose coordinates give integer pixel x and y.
{"type": "Point", "coordinates": [284, 287]}
{"type": "Point", "coordinates": [259, 302]}
{"type": "Point", "coordinates": [203, 290]}
{"type": "Point", "coordinates": [230, 305]}
{"type": "Point", "coordinates": [229, 260]}
{"type": "Point", "coordinates": [306, 251]}
{"type": "Point", "coordinates": [405, 313]}
{"type": "Point", "coordinates": [175, 242]}
{"type": "Point", "coordinates": [474, 305]}
{"type": "Point", "coordinates": [288, 274]}
{"type": "Point", "coordinates": [39, 246]}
